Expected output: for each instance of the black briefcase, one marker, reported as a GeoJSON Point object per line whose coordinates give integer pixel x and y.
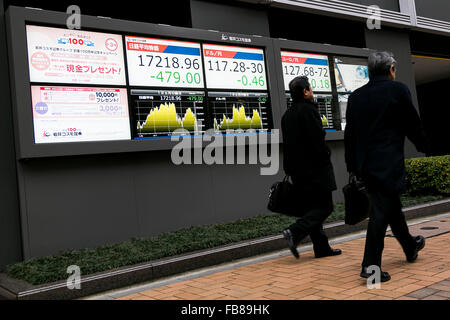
{"type": "Point", "coordinates": [357, 202]}
{"type": "Point", "coordinates": [282, 198]}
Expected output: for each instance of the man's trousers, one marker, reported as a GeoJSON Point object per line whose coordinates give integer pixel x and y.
{"type": "Point", "coordinates": [314, 208]}
{"type": "Point", "coordinates": [386, 209]}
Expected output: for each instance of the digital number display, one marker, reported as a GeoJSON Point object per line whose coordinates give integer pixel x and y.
{"type": "Point", "coordinates": [351, 73]}
{"type": "Point", "coordinates": [73, 56]}
{"type": "Point", "coordinates": [229, 67]}
{"type": "Point", "coordinates": [164, 63]}
{"type": "Point", "coordinates": [76, 114]}
{"type": "Point", "coordinates": [313, 66]}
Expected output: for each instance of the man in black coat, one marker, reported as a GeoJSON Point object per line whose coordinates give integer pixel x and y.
{"type": "Point", "coordinates": [307, 161]}
{"type": "Point", "coordinates": [379, 117]}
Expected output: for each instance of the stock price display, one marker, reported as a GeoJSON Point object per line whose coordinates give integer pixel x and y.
{"type": "Point", "coordinates": [313, 66]}
{"type": "Point", "coordinates": [229, 67]}
{"type": "Point", "coordinates": [164, 63]}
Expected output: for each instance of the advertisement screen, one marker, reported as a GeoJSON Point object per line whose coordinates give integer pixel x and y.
{"type": "Point", "coordinates": [164, 63]}
{"type": "Point", "coordinates": [73, 56]}
{"type": "Point", "coordinates": [351, 73]}
{"type": "Point", "coordinates": [229, 67]}
{"type": "Point", "coordinates": [314, 66]}
{"type": "Point", "coordinates": [76, 114]}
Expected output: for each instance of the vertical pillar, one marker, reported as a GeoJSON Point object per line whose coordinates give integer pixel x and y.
{"type": "Point", "coordinates": [10, 237]}
{"type": "Point", "coordinates": [409, 7]}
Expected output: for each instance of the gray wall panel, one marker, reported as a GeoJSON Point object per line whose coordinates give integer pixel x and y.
{"type": "Point", "coordinates": [435, 9]}
{"type": "Point", "coordinates": [170, 197]}
{"type": "Point", "coordinates": [78, 203]}
{"type": "Point", "coordinates": [240, 191]}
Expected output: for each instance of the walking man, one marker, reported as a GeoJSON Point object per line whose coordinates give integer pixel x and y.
{"type": "Point", "coordinates": [379, 117]}
{"type": "Point", "coordinates": [307, 161]}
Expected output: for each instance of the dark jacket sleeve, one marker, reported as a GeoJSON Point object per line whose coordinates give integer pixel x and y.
{"type": "Point", "coordinates": [316, 136]}
{"type": "Point", "coordinates": [349, 140]}
{"type": "Point", "coordinates": [410, 121]}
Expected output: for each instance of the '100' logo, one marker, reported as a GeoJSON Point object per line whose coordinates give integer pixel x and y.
{"type": "Point", "coordinates": [75, 41]}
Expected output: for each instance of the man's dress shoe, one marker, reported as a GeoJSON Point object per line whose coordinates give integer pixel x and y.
{"type": "Point", "coordinates": [287, 234]}
{"type": "Point", "coordinates": [332, 252]}
{"type": "Point", "coordinates": [420, 243]}
{"type": "Point", "coordinates": [384, 276]}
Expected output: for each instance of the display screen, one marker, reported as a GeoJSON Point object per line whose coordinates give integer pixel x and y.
{"type": "Point", "coordinates": [240, 111]}
{"type": "Point", "coordinates": [73, 56]}
{"type": "Point", "coordinates": [229, 67]}
{"type": "Point", "coordinates": [164, 63]}
{"type": "Point", "coordinates": [159, 113]}
{"type": "Point", "coordinates": [314, 66]}
{"type": "Point", "coordinates": [351, 73]}
{"type": "Point", "coordinates": [325, 107]}
{"type": "Point", "coordinates": [76, 114]}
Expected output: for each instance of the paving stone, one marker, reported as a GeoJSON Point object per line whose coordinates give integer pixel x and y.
{"type": "Point", "coordinates": [435, 297]}
{"type": "Point", "coordinates": [443, 294]}
{"type": "Point", "coordinates": [422, 293]}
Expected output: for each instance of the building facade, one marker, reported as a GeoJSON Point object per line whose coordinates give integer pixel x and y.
{"type": "Point", "coordinates": [65, 197]}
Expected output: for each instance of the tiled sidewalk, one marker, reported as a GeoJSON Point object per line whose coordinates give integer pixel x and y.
{"type": "Point", "coordinates": [337, 277]}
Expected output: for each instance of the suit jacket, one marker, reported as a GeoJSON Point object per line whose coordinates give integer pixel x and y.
{"type": "Point", "coordinates": [306, 157]}
{"type": "Point", "coordinates": [379, 117]}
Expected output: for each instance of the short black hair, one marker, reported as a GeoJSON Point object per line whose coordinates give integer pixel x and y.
{"type": "Point", "coordinates": [296, 87]}
{"type": "Point", "coordinates": [380, 63]}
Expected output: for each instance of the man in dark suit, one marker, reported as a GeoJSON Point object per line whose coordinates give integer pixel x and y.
{"type": "Point", "coordinates": [379, 117]}
{"type": "Point", "coordinates": [307, 161]}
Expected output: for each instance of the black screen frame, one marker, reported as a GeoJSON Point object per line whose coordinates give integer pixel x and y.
{"type": "Point", "coordinates": [17, 18]}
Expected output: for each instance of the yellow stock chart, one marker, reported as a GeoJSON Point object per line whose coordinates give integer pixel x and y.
{"type": "Point", "coordinates": [166, 119]}
{"type": "Point", "coordinates": [239, 111]}
{"type": "Point", "coordinates": [239, 120]}
{"type": "Point", "coordinates": [160, 113]}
